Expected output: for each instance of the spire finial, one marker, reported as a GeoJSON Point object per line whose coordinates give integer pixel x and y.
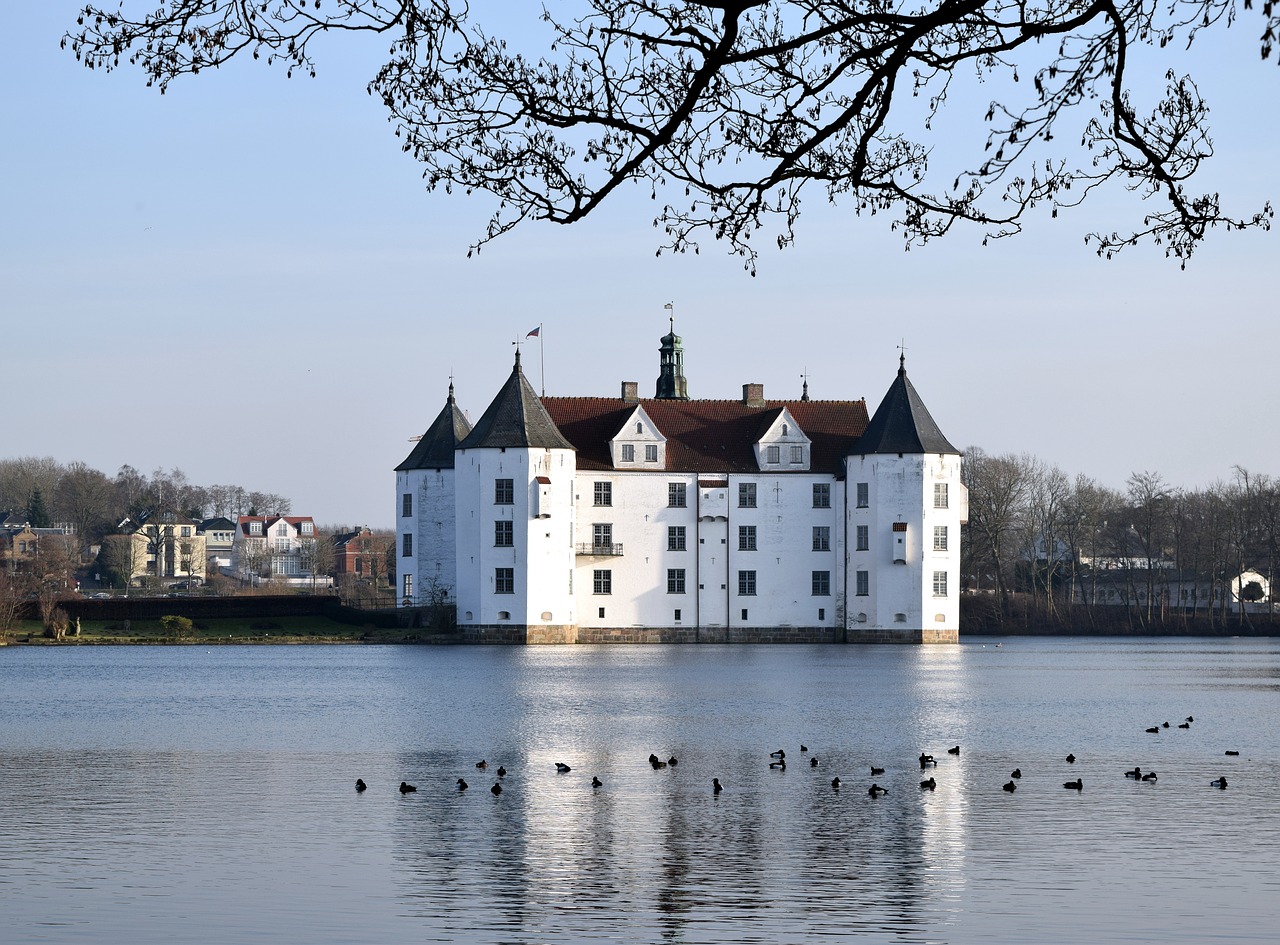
{"type": "Point", "coordinates": [804, 396]}
{"type": "Point", "coordinates": [902, 358]}
{"type": "Point", "coordinates": [451, 387]}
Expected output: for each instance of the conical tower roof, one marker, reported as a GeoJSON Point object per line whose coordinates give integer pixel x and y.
{"type": "Point", "coordinates": [516, 418]}
{"type": "Point", "coordinates": [902, 423]}
{"type": "Point", "coordinates": [434, 450]}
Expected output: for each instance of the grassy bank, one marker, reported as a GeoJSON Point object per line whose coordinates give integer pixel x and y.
{"type": "Point", "coordinates": [226, 630]}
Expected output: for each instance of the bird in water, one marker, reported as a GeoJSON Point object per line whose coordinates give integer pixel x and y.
{"type": "Point", "coordinates": [929, 785]}
{"type": "Point", "coordinates": [502, 772]}
{"type": "Point", "coordinates": [876, 790]}
{"type": "Point", "coordinates": [1017, 773]}
{"type": "Point", "coordinates": [1071, 759]}
{"type": "Point", "coordinates": [496, 789]}
{"type": "Point", "coordinates": [953, 751]}
{"type": "Point", "coordinates": [596, 782]}
{"type": "Point", "coordinates": [1184, 725]}
{"type": "Point", "coordinates": [656, 762]}
{"type": "Point", "coordinates": [482, 764]}
{"type": "Point", "coordinates": [1149, 776]}
{"type": "Point", "coordinates": [1154, 730]}
{"type": "Point", "coordinates": [672, 761]}
{"type": "Point", "coordinates": [1190, 718]}
{"type": "Point", "coordinates": [1010, 786]}
{"type": "Point", "coordinates": [835, 783]}
{"type": "Point", "coordinates": [1136, 774]}
{"type": "Point", "coordinates": [462, 785]}
{"type": "Point", "coordinates": [1166, 725]}
{"type": "Point", "coordinates": [716, 786]}
{"type": "Point", "coordinates": [1230, 752]}
{"type": "Point", "coordinates": [875, 770]}
{"type": "Point", "coordinates": [1219, 783]}
{"type": "Point", "coordinates": [813, 762]}
{"type": "Point", "coordinates": [778, 754]}
{"type": "Point", "coordinates": [406, 788]}
{"type": "Point", "coordinates": [780, 764]}
{"type": "Point", "coordinates": [360, 785]}
{"type": "Point", "coordinates": [926, 760]}
{"type": "Point", "coordinates": [1076, 785]}
{"type": "Point", "coordinates": [562, 767]}
{"type": "Point", "coordinates": [804, 748]}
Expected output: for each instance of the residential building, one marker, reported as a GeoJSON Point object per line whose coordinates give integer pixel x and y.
{"type": "Point", "coordinates": [162, 544]}
{"type": "Point", "coordinates": [581, 519]}
{"type": "Point", "coordinates": [273, 546]}
{"type": "Point", "coordinates": [219, 539]}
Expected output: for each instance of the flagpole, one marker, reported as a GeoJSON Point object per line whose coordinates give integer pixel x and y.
{"type": "Point", "coordinates": [542, 357]}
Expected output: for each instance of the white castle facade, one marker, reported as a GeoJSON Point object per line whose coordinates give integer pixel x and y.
{"type": "Point", "coordinates": [593, 519]}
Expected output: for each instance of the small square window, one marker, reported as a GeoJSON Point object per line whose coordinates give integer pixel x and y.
{"type": "Point", "coordinates": [744, 613]}
{"type": "Point", "coordinates": [675, 580]}
{"type": "Point", "coordinates": [651, 452]}
{"type": "Point", "coordinates": [939, 538]}
{"type": "Point", "coordinates": [628, 453]}
{"type": "Point", "coordinates": [677, 615]}
{"type": "Point", "coordinates": [504, 492]}
{"type": "Point", "coordinates": [821, 538]}
{"type": "Point", "coordinates": [503, 535]}
{"type": "Point", "coordinates": [602, 493]}
{"type": "Point", "coordinates": [863, 495]}
{"type": "Point", "coordinates": [602, 583]}
{"type": "Point", "coordinates": [821, 584]}
{"type": "Point", "coordinates": [797, 454]}
{"type": "Point", "coordinates": [677, 495]}
{"type": "Point", "coordinates": [675, 538]}
{"type": "Point", "coordinates": [504, 581]}
{"type": "Point", "coordinates": [939, 583]}
{"type": "Point", "coordinates": [746, 495]}
{"type": "Point", "coordinates": [773, 455]}
{"type": "Point", "coordinates": [746, 538]}
{"type": "Point", "coordinates": [822, 495]}
{"type": "Point", "coordinates": [601, 613]}
{"type": "Point", "coordinates": [940, 497]}
{"type": "Point", "coordinates": [746, 584]}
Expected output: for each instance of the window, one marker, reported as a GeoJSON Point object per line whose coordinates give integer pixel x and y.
{"type": "Point", "coordinates": [797, 454]}
{"type": "Point", "coordinates": [504, 580]}
{"type": "Point", "coordinates": [675, 538]}
{"type": "Point", "coordinates": [651, 452]}
{"type": "Point", "coordinates": [863, 583]}
{"type": "Point", "coordinates": [863, 501]}
{"type": "Point", "coordinates": [628, 453]}
{"type": "Point", "coordinates": [255, 528]}
{"type": "Point", "coordinates": [308, 528]}
{"type": "Point", "coordinates": [822, 613]}
{"type": "Point", "coordinates": [639, 427]}
{"type": "Point", "coordinates": [822, 495]}
{"type": "Point", "coordinates": [406, 504]}
{"type": "Point", "coordinates": [602, 583]}
{"type": "Point", "coordinates": [406, 545]}
{"type": "Point", "coordinates": [939, 538]}
{"type": "Point", "coordinates": [675, 580]}
{"type": "Point", "coordinates": [603, 494]}
{"type": "Point", "coordinates": [281, 529]}
{"type": "Point", "coordinates": [864, 540]}
{"type": "Point", "coordinates": [677, 615]}
{"type": "Point", "coordinates": [601, 613]}
{"type": "Point", "coordinates": [773, 454]}
{"type": "Point", "coordinates": [821, 583]}
{"type": "Point", "coordinates": [602, 536]}
{"type": "Point", "coordinates": [746, 584]}
{"type": "Point", "coordinates": [940, 495]}
{"type": "Point", "coordinates": [503, 535]}
{"type": "Point", "coordinates": [504, 492]}
{"type": "Point", "coordinates": [676, 495]}
{"type": "Point", "coordinates": [821, 538]}
{"type": "Point", "coordinates": [186, 531]}
{"type": "Point", "coordinates": [359, 565]}
{"type": "Point", "coordinates": [746, 495]}
{"type": "Point", "coordinates": [407, 586]}
{"type": "Point", "coordinates": [746, 538]}
{"type": "Point", "coordinates": [939, 583]}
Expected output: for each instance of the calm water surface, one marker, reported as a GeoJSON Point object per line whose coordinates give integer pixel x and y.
{"type": "Point", "coordinates": [186, 795]}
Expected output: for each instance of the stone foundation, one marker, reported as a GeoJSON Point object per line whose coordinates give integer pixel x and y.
{"type": "Point", "coordinates": [561, 634]}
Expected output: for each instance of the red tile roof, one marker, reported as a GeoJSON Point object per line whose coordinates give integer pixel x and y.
{"type": "Point", "coordinates": [711, 436]}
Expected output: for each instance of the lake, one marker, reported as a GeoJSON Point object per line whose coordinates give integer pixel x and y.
{"type": "Point", "coordinates": [196, 795]}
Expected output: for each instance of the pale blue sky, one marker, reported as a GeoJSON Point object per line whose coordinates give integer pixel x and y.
{"type": "Point", "coordinates": [267, 239]}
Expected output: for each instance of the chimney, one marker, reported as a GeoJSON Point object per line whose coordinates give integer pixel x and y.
{"type": "Point", "coordinates": [631, 392]}
{"type": "Point", "coordinates": [753, 395]}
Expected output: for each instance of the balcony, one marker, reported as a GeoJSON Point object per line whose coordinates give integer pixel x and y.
{"type": "Point", "coordinates": [601, 549]}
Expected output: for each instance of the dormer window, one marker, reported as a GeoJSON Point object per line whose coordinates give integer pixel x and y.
{"type": "Point", "coordinates": [255, 528]}
{"type": "Point", "coordinates": [797, 454]}
{"type": "Point", "coordinates": [651, 452]}
{"type": "Point", "coordinates": [774, 454]}
{"type": "Point", "coordinates": [308, 528]}
{"type": "Point", "coordinates": [628, 453]}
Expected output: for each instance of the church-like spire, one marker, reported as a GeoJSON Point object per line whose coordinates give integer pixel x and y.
{"type": "Point", "coordinates": [434, 449]}
{"type": "Point", "coordinates": [902, 423]}
{"type": "Point", "coordinates": [516, 418]}
{"type": "Point", "coordinates": [671, 381]}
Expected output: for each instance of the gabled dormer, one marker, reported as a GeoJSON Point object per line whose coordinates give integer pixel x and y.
{"type": "Point", "coordinates": [638, 444]}
{"type": "Point", "coordinates": [783, 446]}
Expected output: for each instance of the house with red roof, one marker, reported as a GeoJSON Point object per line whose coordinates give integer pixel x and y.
{"type": "Point", "coordinates": [673, 519]}
{"type": "Point", "coordinates": [273, 546]}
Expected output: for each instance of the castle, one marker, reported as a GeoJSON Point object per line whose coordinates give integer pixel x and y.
{"type": "Point", "coordinates": [622, 519]}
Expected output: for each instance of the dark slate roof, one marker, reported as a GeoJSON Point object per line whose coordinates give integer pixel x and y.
{"type": "Point", "coordinates": [434, 449]}
{"type": "Point", "coordinates": [219, 524]}
{"type": "Point", "coordinates": [516, 418]}
{"type": "Point", "coordinates": [902, 423]}
{"type": "Point", "coordinates": [713, 436]}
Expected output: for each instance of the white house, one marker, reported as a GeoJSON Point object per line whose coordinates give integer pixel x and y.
{"type": "Point", "coordinates": [595, 519]}
{"type": "Point", "coordinates": [269, 546]}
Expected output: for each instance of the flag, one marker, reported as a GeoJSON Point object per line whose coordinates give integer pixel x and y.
{"type": "Point", "coordinates": [535, 333]}
{"type": "Point", "coordinates": [668, 306]}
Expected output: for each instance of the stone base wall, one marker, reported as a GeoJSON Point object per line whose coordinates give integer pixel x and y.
{"type": "Point", "coordinates": [916, 635]}
{"type": "Point", "coordinates": [518, 634]}
{"type": "Point", "coordinates": [561, 634]}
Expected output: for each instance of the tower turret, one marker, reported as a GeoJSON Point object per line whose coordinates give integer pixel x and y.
{"type": "Point", "coordinates": [671, 381]}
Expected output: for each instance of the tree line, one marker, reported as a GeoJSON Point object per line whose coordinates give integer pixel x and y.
{"type": "Point", "coordinates": [1040, 544]}
{"type": "Point", "coordinates": [47, 492]}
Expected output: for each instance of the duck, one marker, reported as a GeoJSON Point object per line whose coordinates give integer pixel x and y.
{"type": "Point", "coordinates": [1016, 773]}
{"type": "Point", "coordinates": [1184, 725]}
{"type": "Point", "coordinates": [1076, 785]}
{"type": "Point", "coordinates": [1190, 718]}
{"type": "Point", "coordinates": [1165, 725]}
{"type": "Point", "coordinates": [360, 785]}
{"type": "Point", "coordinates": [406, 788]}
{"type": "Point", "coordinates": [1071, 759]}
{"type": "Point", "coordinates": [1219, 783]}
{"type": "Point", "coordinates": [835, 783]}
{"type": "Point", "coordinates": [780, 764]}
{"type": "Point", "coordinates": [1010, 786]}
{"type": "Point", "coordinates": [1149, 776]}
{"type": "Point", "coordinates": [462, 785]}
{"type": "Point", "coordinates": [778, 754]}
{"type": "Point", "coordinates": [804, 748]}
{"type": "Point", "coordinates": [482, 763]}
{"type": "Point", "coordinates": [875, 770]}
{"type": "Point", "coordinates": [716, 786]}
{"type": "Point", "coordinates": [876, 790]}
{"type": "Point", "coordinates": [1136, 774]}
{"type": "Point", "coordinates": [926, 760]}
{"type": "Point", "coordinates": [596, 782]}
{"type": "Point", "coordinates": [929, 784]}
{"type": "Point", "coordinates": [562, 767]}
{"type": "Point", "coordinates": [672, 761]}
{"type": "Point", "coordinates": [953, 751]}
{"type": "Point", "coordinates": [502, 772]}
{"type": "Point", "coordinates": [657, 763]}
{"type": "Point", "coordinates": [653, 759]}
{"type": "Point", "coordinates": [1154, 730]}
{"type": "Point", "coordinates": [496, 789]}
{"type": "Point", "coordinates": [813, 762]}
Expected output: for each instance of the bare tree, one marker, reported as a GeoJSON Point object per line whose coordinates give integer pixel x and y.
{"type": "Point", "coordinates": [85, 498]}
{"type": "Point", "coordinates": [997, 494]}
{"type": "Point", "coordinates": [734, 109]}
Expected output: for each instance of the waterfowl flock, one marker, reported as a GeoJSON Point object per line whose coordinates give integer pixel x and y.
{"type": "Point", "coordinates": [778, 761]}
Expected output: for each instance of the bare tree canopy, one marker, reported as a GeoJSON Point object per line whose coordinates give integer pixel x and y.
{"type": "Point", "coordinates": [727, 110]}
